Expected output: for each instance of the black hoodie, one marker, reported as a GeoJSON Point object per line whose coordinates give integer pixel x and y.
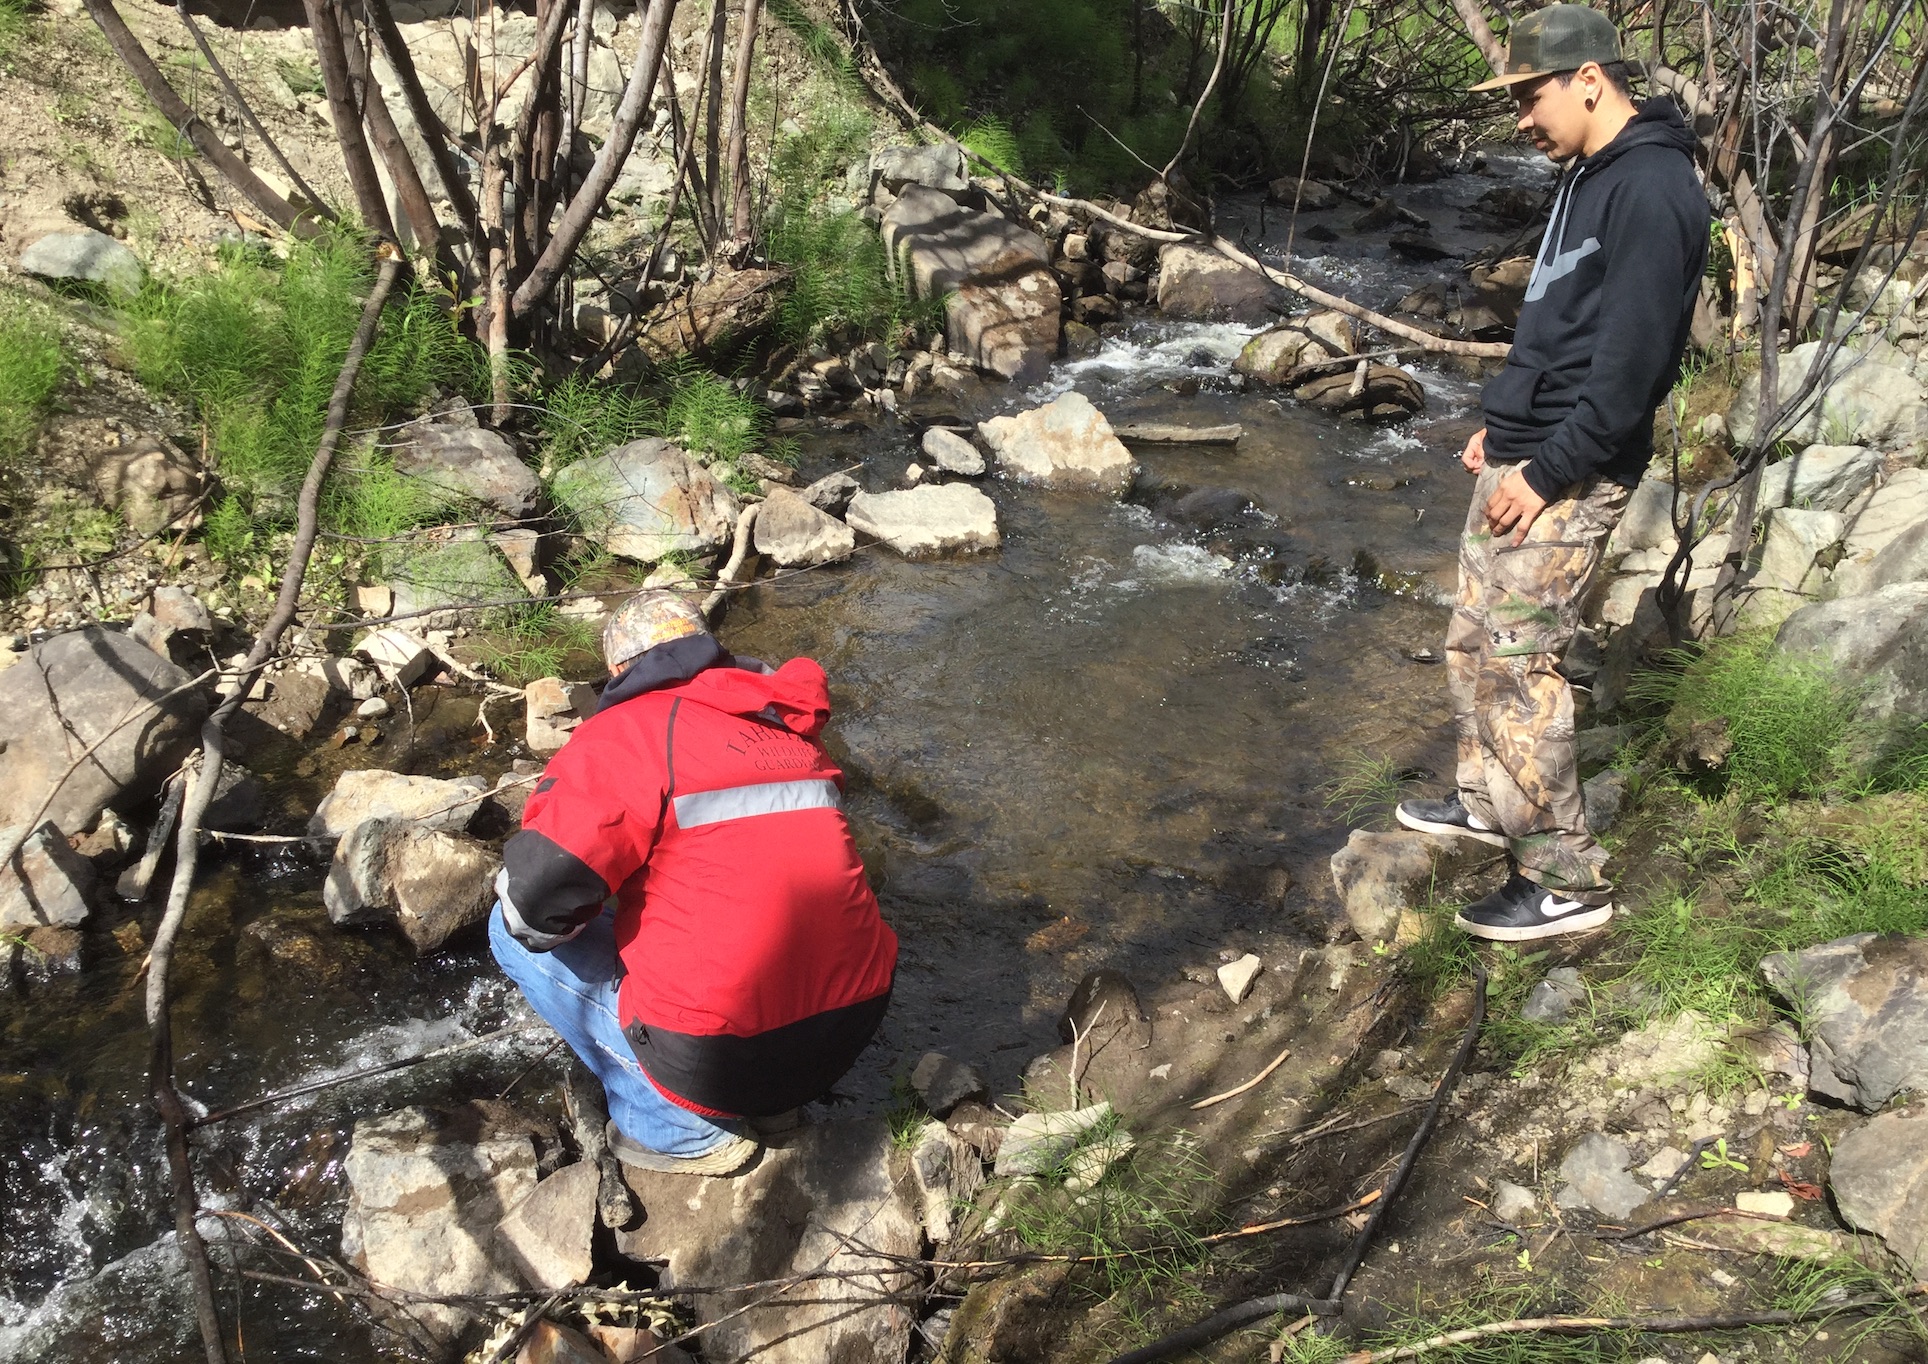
{"type": "Point", "coordinates": [1607, 311]}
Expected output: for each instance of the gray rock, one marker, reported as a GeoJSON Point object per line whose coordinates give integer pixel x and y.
{"type": "Point", "coordinates": [399, 655]}
{"type": "Point", "coordinates": [1067, 443]}
{"type": "Point", "coordinates": [1379, 876]}
{"type": "Point", "coordinates": [1554, 998]}
{"type": "Point", "coordinates": [1272, 356]}
{"type": "Point", "coordinates": [176, 626]}
{"type": "Point", "coordinates": [797, 535]}
{"type": "Point", "coordinates": [89, 257]}
{"type": "Point", "coordinates": [1603, 796]}
{"type": "Point", "coordinates": [375, 793]}
{"type": "Point", "coordinates": [938, 518]}
{"type": "Point", "coordinates": [547, 1234]}
{"type": "Point", "coordinates": [1309, 195]}
{"type": "Point", "coordinates": [44, 883]}
{"type": "Point", "coordinates": [1865, 401]}
{"type": "Point", "coordinates": [74, 691]}
{"type": "Point", "coordinates": [952, 453]}
{"type": "Point", "coordinates": [429, 884]}
{"type": "Point", "coordinates": [1596, 1176]}
{"type": "Point", "coordinates": [468, 461]}
{"type": "Point", "coordinates": [449, 567]}
{"type": "Point", "coordinates": [552, 708]}
{"type": "Point", "coordinates": [1863, 1002]}
{"type": "Point", "coordinates": [1038, 1143]}
{"type": "Point", "coordinates": [832, 493]}
{"type": "Point", "coordinates": [648, 499]}
{"type": "Point", "coordinates": [1196, 282]}
{"type": "Point", "coordinates": [1903, 560]}
{"type": "Point", "coordinates": [1879, 1174]}
{"type": "Point", "coordinates": [943, 1084]}
{"type": "Point", "coordinates": [803, 1207]}
{"type": "Point", "coordinates": [1002, 301]}
{"type": "Point", "coordinates": [1821, 477]}
{"type": "Point", "coordinates": [1236, 977]}
{"type": "Point", "coordinates": [1513, 1203]}
{"type": "Point", "coordinates": [939, 167]}
{"type": "Point", "coordinates": [948, 1174]}
{"type": "Point", "coordinates": [293, 703]}
{"type": "Point", "coordinates": [1880, 639]}
{"type": "Point", "coordinates": [152, 483]}
{"type": "Point", "coordinates": [1648, 521]}
{"type": "Point", "coordinates": [240, 801]}
{"type": "Point", "coordinates": [1791, 541]}
{"type": "Point", "coordinates": [425, 1193]}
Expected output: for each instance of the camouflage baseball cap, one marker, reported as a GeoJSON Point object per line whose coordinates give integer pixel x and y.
{"type": "Point", "coordinates": [647, 620]}
{"type": "Point", "coordinates": [1557, 38]}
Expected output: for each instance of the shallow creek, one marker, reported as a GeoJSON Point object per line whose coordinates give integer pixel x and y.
{"type": "Point", "coordinates": [1108, 744]}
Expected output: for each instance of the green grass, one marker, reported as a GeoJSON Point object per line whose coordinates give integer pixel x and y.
{"type": "Point", "coordinates": [839, 279]}
{"type": "Point", "coordinates": [1365, 787]}
{"type": "Point", "coordinates": [32, 365]}
{"type": "Point", "coordinates": [256, 346]}
{"type": "Point", "coordinates": [539, 641]}
{"type": "Point", "coordinates": [16, 25]}
{"type": "Point", "coordinates": [581, 418]}
{"type": "Point", "coordinates": [992, 139]}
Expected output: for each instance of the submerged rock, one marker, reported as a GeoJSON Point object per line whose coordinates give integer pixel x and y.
{"type": "Point", "coordinates": [81, 689]}
{"type": "Point", "coordinates": [937, 518]}
{"type": "Point", "coordinates": [1879, 1175]}
{"type": "Point", "coordinates": [44, 883]}
{"type": "Point", "coordinates": [1067, 443]}
{"type": "Point", "coordinates": [1387, 393]}
{"type": "Point", "coordinates": [1863, 1002]}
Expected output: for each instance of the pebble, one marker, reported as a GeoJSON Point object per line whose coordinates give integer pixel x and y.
{"type": "Point", "coordinates": [1236, 977]}
{"type": "Point", "coordinates": [1767, 1202]}
{"type": "Point", "coordinates": [374, 708]}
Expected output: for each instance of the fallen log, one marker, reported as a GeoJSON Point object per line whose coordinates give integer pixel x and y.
{"type": "Point", "coordinates": [1161, 433]}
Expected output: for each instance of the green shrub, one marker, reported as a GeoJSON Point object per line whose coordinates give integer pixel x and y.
{"type": "Point", "coordinates": [992, 139]}
{"type": "Point", "coordinates": [31, 367]}
{"type": "Point", "coordinates": [1789, 723]}
{"type": "Point", "coordinates": [580, 418]}
{"type": "Point", "coordinates": [256, 346]}
{"type": "Point", "coordinates": [15, 26]}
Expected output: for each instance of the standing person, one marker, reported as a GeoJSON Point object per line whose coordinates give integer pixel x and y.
{"type": "Point", "coordinates": [1568, 433]}
{"type": "Point", "coordinates": [741, 964]}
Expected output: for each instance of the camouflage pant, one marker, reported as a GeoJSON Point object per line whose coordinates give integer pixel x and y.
{"type": "Point", "coordinates": [1517, 610]}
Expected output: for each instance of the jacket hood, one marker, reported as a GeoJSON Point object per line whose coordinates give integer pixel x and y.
{"type": "Point", "coordinates": [1657, 123]}
{"type": "Point", "coordinates": [796, 696]}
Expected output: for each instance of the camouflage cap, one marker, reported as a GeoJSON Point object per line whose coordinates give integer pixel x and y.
{"type": "Point", "coordinates": [647, 620]}
{"type": "Point", "coordinates": [1557, 38]}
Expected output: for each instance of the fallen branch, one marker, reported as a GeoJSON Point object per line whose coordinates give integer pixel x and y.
{"type": "Point", "coordinates": [1645, 1325]}
{"type": "Point", "coordinates": [167, 1098]}
{"type": "Point", "coordinates": [739, 552]}
{"type": "Point", "coordinates": [1250, 1084]}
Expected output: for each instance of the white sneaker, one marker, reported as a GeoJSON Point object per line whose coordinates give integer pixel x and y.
{"type": "Point", "coordinates": [725, 1159]}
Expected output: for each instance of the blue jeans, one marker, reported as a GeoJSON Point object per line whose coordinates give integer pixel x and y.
{"type": "Point", "coordinates": [573, 988]}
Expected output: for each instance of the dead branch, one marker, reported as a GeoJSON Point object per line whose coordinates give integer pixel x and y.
{"type": "Point", "coordinates": [167, 1098]}
{"type": "Point", "coordinates": [1481, 33]}
{"type": "Point", "coordinates": [346, 115]}
{"type": "Point", "coordinates": [190, 124]}
{"type": "Point", "coordinates": [410, 192]}
{"type": "Point", "coordinates": [739, 127]}
{"type": "Point", "coordinates": [1250, 1084]}
{"type": "Point", "coordinates": [455, 184]}
{"type": "Point", "coordinates": [1211, 82]}
{"type": "Point", "coordinates": [739, 552]}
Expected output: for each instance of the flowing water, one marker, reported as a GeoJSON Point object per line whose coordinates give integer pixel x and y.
{"type": "Point", "coordinates": [1110, 743]}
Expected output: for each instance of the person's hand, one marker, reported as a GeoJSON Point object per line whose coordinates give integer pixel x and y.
{"type": "Point", "coordinates": [1514, 505]}
{"type": "Point", "coordinates": [1474, 455]}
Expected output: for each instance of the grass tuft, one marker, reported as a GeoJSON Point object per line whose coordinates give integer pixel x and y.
{"type": "Point", "coordinates": [32, 365]}
{"type": "Point", "coordinates": [539, 641]}
{"type": "Point", "coordinates": [1366, 786]}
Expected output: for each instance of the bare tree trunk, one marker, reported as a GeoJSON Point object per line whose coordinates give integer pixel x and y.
{"type": "Point", "coordinates": [716, 210]}
{"type": "Point", "coordinates": [1481, 33]}
{"type": "Point", "coordinates": [530, 158]}
{"type": "Point", "coordinates": [1218, 68]}
{"type": "Point", "coordinates": [740, 128]}
{"type": "Point", "coordinates": [495, 243]}
{"type": "Point", "coordinates": [327, 41]}
{"type": "Point", "coordinates": [574, 224]}
{"type": "Point", "coordinates": [190, 125]}
{"type": "Point", "coordinates": [1137, 56]}
{"type": "Point", "coordinates": [455, 182]}
{"type": "Point", "coordinates": [409, 189]}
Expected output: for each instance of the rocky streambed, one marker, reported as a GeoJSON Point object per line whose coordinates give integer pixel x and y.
{"type": "Point", "coordinates": [1092, 765]}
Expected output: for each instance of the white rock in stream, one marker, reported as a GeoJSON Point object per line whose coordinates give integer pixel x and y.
{"type": "Point", "coordinates": [1067, 443]}
{"type": "Point", "coordinates": [919, 523]}
{"type": "Point", "coordinates": [377, 794]}
{"type": "Point", "coordinates": [952, 453]}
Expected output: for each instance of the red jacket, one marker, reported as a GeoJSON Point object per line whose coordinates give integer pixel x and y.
{"type": "Point", "coordinates": [756, 964]}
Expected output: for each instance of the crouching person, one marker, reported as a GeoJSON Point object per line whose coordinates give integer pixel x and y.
{"type": "Point", "coordinates": [684, 903]}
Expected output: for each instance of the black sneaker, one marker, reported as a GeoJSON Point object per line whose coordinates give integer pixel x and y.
{"type": "Point", "coordinates": [1447, 817]}
{"type": "Point", "coordinates": [1523, 910]}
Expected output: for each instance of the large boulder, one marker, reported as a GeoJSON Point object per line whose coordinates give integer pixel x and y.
{"type": "Point", "coordinates": [374, 793]}
{"type": "Point", "coordinates": [1387, 393]}
{"type": "Point", "coordinates": [465, 460]}
{"type": "Point", "coordinates": [1866, 401]}
{"type": "Point", "coordinates": [426, 1192]}
{"type": "Point", "coordinates": [1823, 477]}
{"type": "Point", "coordinates": [1875, 521]}
{"type": "Point", "coordinates": [938, 167]}
{"type": "Point", "coordinates": [97, 690]}
{"type": "Point", "coordinates": [795, 534]}
{"type": "Point", "coordinates": [1879, 639]}
{"type": "Point", "coordinates": [1863, 1003]}
{"type": "Point", "coordinates": [1273, 356]}
{"type": "Point", "coordinates": [1196, 282]}
{"type": "Point", "coordinates": [1879, 1175]}
{"type": "Point", "coordinates": [1648, 521]}
{"type": "Point", "coordinates": [719, 316]}
{"type": "Point", "coordinates": [429, 884]}
{"type": "Point", "coordinates": [648, 499]}
{"type": "Point", "coordinates": [1903, 560]}
{"type": "Point", "coordinates": [1788, 573]}
{"type": "Point", "coordinates": [152, 483]}
{"type": "Point", "coordinates": [1003, 301]}
{"type": "Point", "coordinates": [44, 883]}
{"type": "Point", "coordinates": [1067, 443]}
{"type": "Point", "coordinates": [85, 257]}
{"type": "Point", "coordinates": [922, 522]}
{"type": "Point", "coordinates": [828, 1197]}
